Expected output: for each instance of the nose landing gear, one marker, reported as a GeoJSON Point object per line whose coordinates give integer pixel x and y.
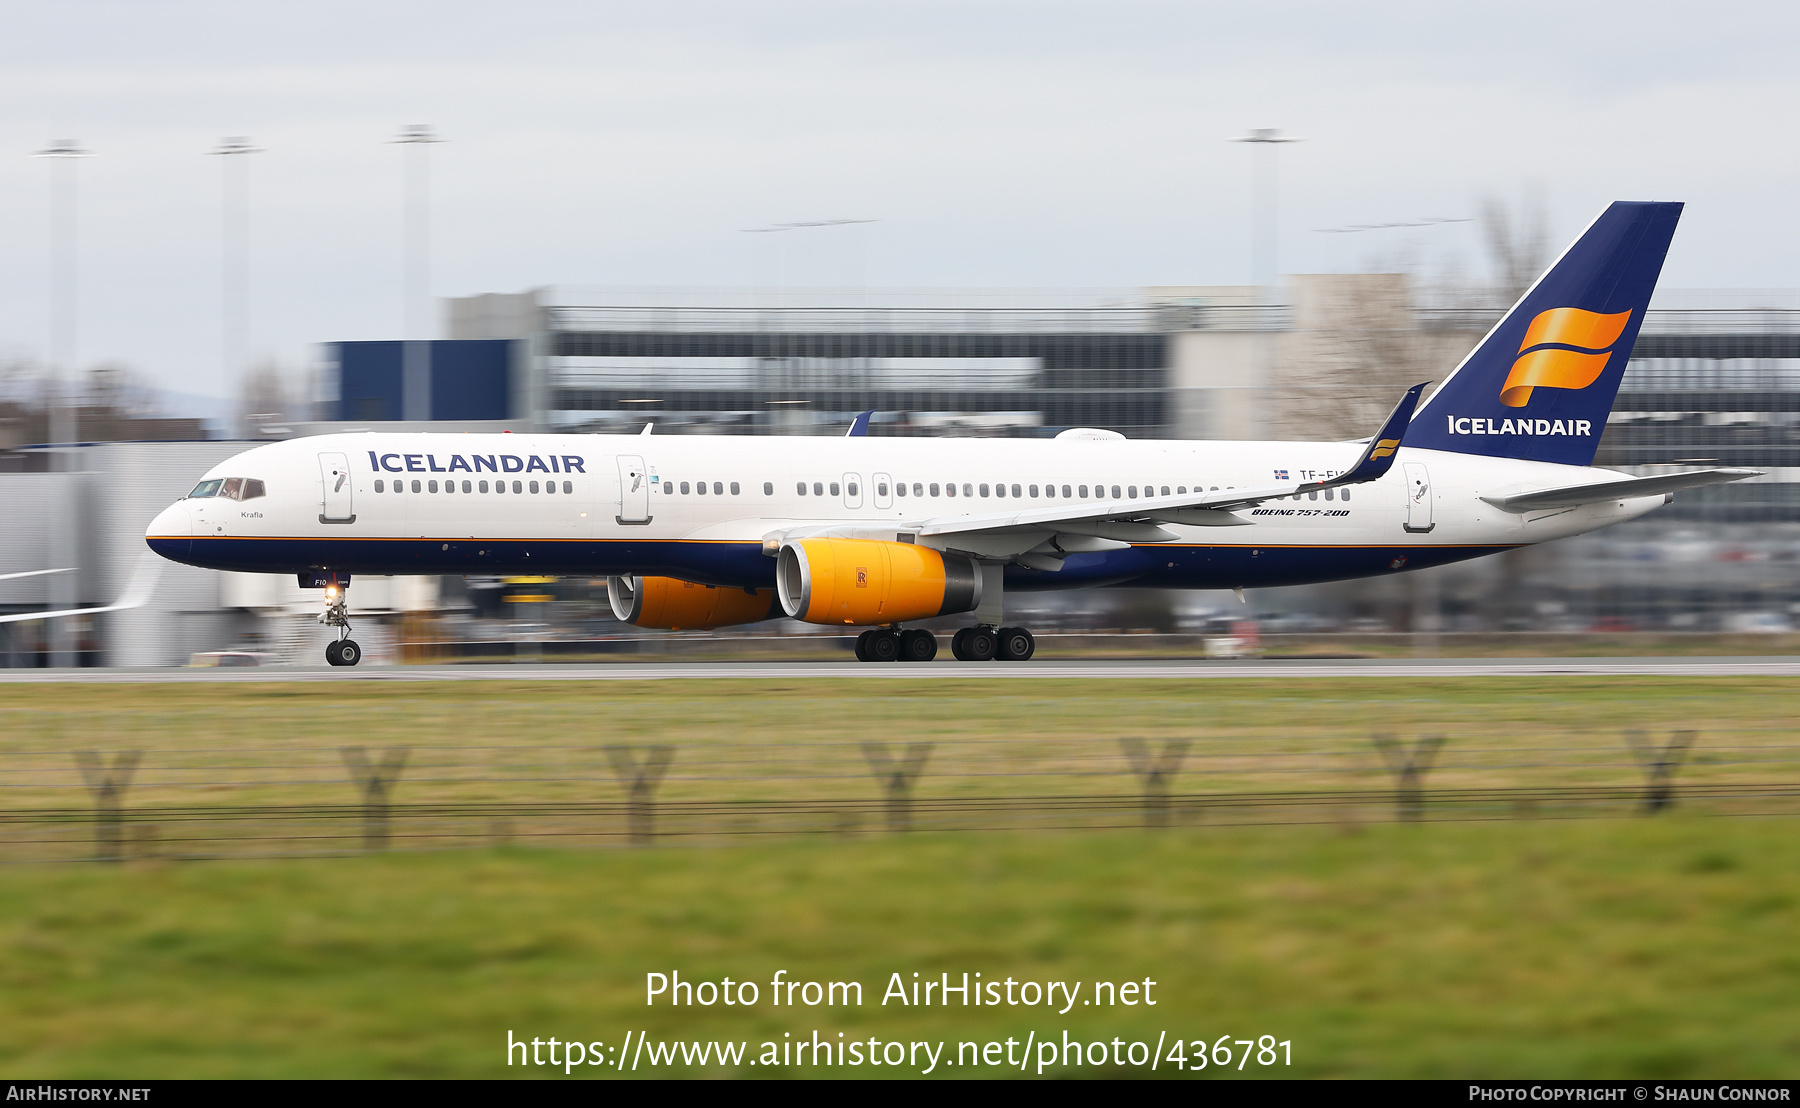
{"type": "Point", "coordinates": [342, 651]}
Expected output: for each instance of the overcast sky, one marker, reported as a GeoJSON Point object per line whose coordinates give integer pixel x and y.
{"type": "Point", "coordinates": [1031, 144]}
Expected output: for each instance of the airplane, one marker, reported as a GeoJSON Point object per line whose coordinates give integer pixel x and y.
{"type": "Point", "coordinates": [879, 533]}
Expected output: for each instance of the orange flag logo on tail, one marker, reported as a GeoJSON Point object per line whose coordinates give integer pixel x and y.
{"type": "Point", "coordinates": [1544, 363]}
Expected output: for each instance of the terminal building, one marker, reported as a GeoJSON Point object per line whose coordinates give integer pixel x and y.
{"type": "Point", "coordinates": [1714, 380]}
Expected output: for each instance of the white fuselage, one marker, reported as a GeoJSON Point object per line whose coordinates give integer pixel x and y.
{"type": "Point", "coordinates": [606, 504]}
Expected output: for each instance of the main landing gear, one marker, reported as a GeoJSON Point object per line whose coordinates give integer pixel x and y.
{"type": "Point", "coordinates": [890, 644]}
{"type": "Point", "coordinates": [971, 644]}
{"type": "Point", "coordinates": [342, 651]}
{"type": "Point", "coordinates": [984, 644]}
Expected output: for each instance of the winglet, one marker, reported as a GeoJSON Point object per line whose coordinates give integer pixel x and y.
{"type": "Point", "coordinates": [859, 427]}
{"type": "Point", "coordinates": [1378, 457]}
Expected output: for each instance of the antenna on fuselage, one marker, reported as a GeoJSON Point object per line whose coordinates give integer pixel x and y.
{"type": "Point", "coordinates": [648, 427]}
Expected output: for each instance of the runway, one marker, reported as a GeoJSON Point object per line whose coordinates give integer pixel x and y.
{"type": "Point", "coordinates": [1114, 669]}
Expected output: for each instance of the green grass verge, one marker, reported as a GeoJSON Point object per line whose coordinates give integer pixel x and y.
{"type": "Point", "coordinates": [1629, 948]}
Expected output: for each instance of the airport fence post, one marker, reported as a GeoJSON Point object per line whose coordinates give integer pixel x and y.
{"type": "Point", "coordinates": [107, 783]}
{"type": "Point", "coordinates": [1659, 765]}
{"type": "Point", "coordinates": [640, 776]}
{"type": "Point", "coordinates": [374, 781]}
{"type": "Point", "coordinates": [897, 776]}
{"type": "Point", "coordinates": [1409, 768]}
{"type": "Point", "coordinates": [1156, 772]}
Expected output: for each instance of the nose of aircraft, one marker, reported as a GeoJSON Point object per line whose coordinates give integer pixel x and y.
{"type": "Point", "coordinates": [169, 533]}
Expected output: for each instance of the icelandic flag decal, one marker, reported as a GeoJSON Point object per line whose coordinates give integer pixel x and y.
{"type": "Point", "coordinates": [1281, 475]}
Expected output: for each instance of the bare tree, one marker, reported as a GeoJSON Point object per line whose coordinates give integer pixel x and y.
{"type": "Point", "coordinates": [1518, 243]}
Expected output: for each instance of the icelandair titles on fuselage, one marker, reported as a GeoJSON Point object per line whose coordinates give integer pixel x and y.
{"type": "Point", "coordinates": [1480, 425]}
{"type": "Point", "coordinates": [483, 463]}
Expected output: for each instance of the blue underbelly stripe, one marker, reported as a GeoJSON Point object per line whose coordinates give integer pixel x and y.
{"type": "Point", "coordinates": [743, 565]}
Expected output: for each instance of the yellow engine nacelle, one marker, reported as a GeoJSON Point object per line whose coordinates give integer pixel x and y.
{"type": "Point", "coordinates": [676, 605]}
{"type": "Point", "coordinates": [866, 581]}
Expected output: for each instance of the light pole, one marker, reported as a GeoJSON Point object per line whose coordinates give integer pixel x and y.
{"type": "Point", "coordinates": [61, 413]}
{"type": "Point", "coordinates": [1263, 223]}
{"type": "Point", "coordinates": [415, 388]}
{"type": "Point", "coordinates": [234, 273]}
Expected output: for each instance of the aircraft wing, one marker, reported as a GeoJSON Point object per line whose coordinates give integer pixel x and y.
{"type": "Point", "coordinates": [1135, 520]}
{"type": "Point", "coordinates": [143, 580]}
{"type": "Point", "coordinates": [1570, 496]}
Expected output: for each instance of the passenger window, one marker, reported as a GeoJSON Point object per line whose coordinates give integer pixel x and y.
{"type": "Point", "coordinates": [899, 488]}
{"type": "Point", "coordinates": [684, 488]}
{"type": "Point", "coordinates": [1033, 491]}
{"type": "Point", "coordinates": [800, 487]}
{"type": "Point", "coordinates": [431, 486]}
{"type": "Point", "coordinates": [819, 488]}
{"type": "Point", "coordinates": [1000, 490]}
{"type": "Point", "coordinates": [834, 488]}
{"type": "Point", "coordinates": [550, 488]}
{"type": "Point", "coordinates": [534, 487]}
{"type": "Point", "coordinates": [1313, 495]}
{"type": "Point", "coordinates": [1066, 495]}
{"type": "Point", "coordinates": [1115, 492]}
{"type": "Point", "coordinates": [880, 489]}
{"type": "Point", "coordinates": [415, 484]}
{"type": "Point", "coordinates": [854, 487]}
{"type": "Point", "coordinates": [1345, 493]}
{"type": "Point", "coordinates": [517, 488]}
{"type": "Point", "coordinates": [949, 490]}
{"type": "Point", "coordinates": [1328, 494]}
{"type": "Point", "coordinates": [768, 488]}
{"type": "Point", "coordinates": [1131, 491]}
{"type": "Point", "coordinates": [919, 490]}
{"type": "Point", "coordinates": [449, 486]}
{"type": "Point", "coordinates": [1083, 492]}
{"type": "Point", "coordinates": [1180, 490]}
{"type": "Point", "coordinates": [718, 488]}
{"type": "Point", "coordinates": [1015, 491]}
{"type": "Point", "coordinates": [468, 487]}
{"type": "Point", "coordinates": [699, 488]}
{"type": "Point", "coordinates": [934, 488]}
{"type": "Point", "coordinates": [379, 487]}
{"type": "Point", "coordinates": [734, 487]}
{"type": "Point", "coordinates": [984, 490]}
{"type": "Point", "coordinates": [1165, 490]}
{"type": "Point", "coordinates": [568, 487]}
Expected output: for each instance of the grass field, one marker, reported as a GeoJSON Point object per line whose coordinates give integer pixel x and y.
{"type": "Point", "coordinates": [1631, 948]}
{"type": "Point", "coordinates": [1521, 947]}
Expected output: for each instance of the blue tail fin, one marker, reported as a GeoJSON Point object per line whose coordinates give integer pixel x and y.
{"type": "Point", "coordinates": [1542, 382]}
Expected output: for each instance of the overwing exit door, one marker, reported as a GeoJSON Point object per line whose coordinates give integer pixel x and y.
{"type": "Point", "coordinates": [1418, 499]}
{"type": "Point", "coordinates": [334, 474]}
{"type": "Point", "coordinates": [634, 491]}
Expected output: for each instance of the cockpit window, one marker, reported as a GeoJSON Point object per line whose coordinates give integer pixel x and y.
{"type": "Point", "coordinates": [206, 488]}
{"type": "Point", "coordinates": [233, 488]}
{"type": "Point", "coordinates": [253, 488]}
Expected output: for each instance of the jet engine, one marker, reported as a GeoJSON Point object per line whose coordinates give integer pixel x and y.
{"type": "Point", "coordinates": [867, 581]}
{"type": "Point", "coordinates": [675, 605]}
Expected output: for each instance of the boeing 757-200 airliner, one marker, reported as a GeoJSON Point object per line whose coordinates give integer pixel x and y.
{"type": "Point", "coordinates": [878, 533]}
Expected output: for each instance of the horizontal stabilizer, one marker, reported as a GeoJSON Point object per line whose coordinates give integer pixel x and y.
{"type": "Point", "coordinates": [1571, 496]}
